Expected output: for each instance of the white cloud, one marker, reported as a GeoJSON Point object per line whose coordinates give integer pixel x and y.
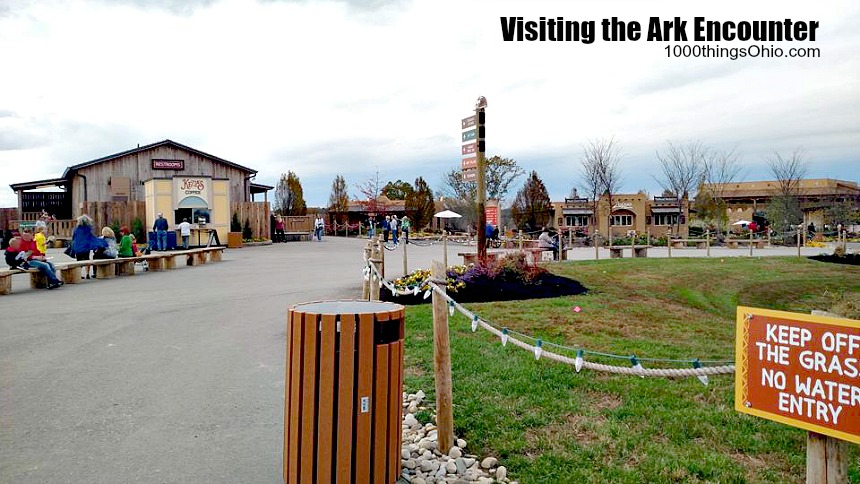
{"type": "Point", "coordinates": [328, 87]}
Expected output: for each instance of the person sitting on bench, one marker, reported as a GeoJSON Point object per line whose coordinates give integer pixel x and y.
{"type": "Point", "coordinates": [545, 241]}
{"type": "Point", "coordinates": [18, 258]}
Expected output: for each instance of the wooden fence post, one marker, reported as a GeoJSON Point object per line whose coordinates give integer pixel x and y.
{"type": "Point", "coordinates": [380, 245]}
{"type": "Point", "coordinates": [669, 242]}
{"type": "Point", "coordinates": [596, 244]}
{"type": "Point", "coordinates": [442, 363]}
{"type": "Point", "coordinates": [648, 236]}
{"type": "Point", "coordinates": [520, 239]}
{"type": "Point", "coordinates": [365, 288]}
{"type": "Point", "coordinates": [445, 248]}
{"type": "Point", "coordinates": [826, 457]}
{"type": "Point", "coordinates": [798, 241]}
{"type": "Point", "coordinates": [708, 242]}
{"type": "Point", "coordinates": [405, 261]}
{"type": "Point", "coordinates": [751, 243]}
{"type": "Point", "coordinates": [377, 261]}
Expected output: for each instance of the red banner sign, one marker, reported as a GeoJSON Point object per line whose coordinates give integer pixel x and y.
{"type": "Point", "coordinates": [168, 164]}
{"type": "Point", "coordinates": [800, 370]}
{"type": "Point", "coordinates": [470, 162]}
{"type": "Point", "coordinates": [492, 215]}
{"type": "Point", "coordinates": [470, 175]}
{"type": "Point", "coordinates": [470, 148]}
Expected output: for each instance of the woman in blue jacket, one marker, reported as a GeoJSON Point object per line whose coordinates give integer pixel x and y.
{"type": "Point", "coordinates": [84, 242]}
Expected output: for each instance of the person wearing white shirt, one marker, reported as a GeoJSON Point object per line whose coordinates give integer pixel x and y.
{"type": "Point", "coordinates": [185, 232]}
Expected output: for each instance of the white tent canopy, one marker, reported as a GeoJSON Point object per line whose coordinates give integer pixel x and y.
{"type": "Point", "coordinates": [447, 214]}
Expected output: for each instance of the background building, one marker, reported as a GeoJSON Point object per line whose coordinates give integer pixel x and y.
{"type": "Point", "coordinates": [630, 212]}
{"type": "Point", "coordinates": [167, 177]}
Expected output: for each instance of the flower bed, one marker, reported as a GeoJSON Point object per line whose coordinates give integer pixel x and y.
{"type": "Point", "coordinates": [506, 279]}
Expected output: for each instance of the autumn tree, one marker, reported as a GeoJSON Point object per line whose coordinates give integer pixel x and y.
{"type": "Point", "coordinates": [420, 204]}
{"type": "Point", "coordinates": [532, 207]}
{"type": "Point", "coordinates": [499, 174]}
{"type": "Point", "coordinates": [338, 201]}
{"type": "Point", "coordinates": [370, 191]}
{"type": "Point", "coordinates": [289, 199]}
{"type": "Point", "coordinates": [397, 190]}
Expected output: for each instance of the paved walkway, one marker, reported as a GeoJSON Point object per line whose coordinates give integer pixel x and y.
{"type": "Point", "coordinates": [173, 376]}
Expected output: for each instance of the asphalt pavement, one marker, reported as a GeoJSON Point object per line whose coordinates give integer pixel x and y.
{"type": "Point", "coordinates": [174, 376]}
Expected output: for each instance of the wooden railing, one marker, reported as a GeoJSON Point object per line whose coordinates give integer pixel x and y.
{"type": "Point", "coordinates": [60, 229]}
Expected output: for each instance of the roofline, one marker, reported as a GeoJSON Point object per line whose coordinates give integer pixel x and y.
{"type": "Point", "coordinates": [260, 185]}
{"type": "Point", "coordinates": [34, 184]}
{"type": "Point", "coordinates": [155, 145]}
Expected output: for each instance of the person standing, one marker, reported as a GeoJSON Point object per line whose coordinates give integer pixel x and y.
{"type": "Point", "coordinates": [405, 225]}
{"type": "Point", "coordinates": [160, 228]}
{"type": "Point", "coordinates": [395, 225]}
{"type": "Point", "coordinates": [386, 228]}
{"type": "Point", "coordinates": [280, 236]}
{"type": "Point", "coordinates": [185, 232]}
{"type": "Point", "coordinates": [39, 237]}
{"type": "Point", "coordinates": [84, 242]}
{"type": "Point", "coordinates": [319, 227]}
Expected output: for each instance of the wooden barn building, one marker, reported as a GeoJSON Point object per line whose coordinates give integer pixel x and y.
{"type": "Point", "coordinates": [167, 177]}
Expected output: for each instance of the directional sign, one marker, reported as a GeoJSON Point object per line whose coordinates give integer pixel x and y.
{"type": "Point", "coordinates": [470, 162]}
{"type": "Point", "coordinates": [470, 148]}
{"type": "Point", "coordinates": [469, 122]}
{"type": "Point", "coordinates": [799, 370]}
{"type": "Point", "coordinates": [470, 135]}
{"type": "Point", "coordinates": [470, 175]}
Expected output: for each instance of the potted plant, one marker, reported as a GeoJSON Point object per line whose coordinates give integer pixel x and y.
{"type": "Point", "coordinates": [234, 237]}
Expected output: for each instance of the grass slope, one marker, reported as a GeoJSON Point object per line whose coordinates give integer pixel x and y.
{"type": "Point", "coordinates": [547, 423]}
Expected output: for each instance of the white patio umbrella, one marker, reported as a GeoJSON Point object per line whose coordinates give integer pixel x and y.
{"type": "Point", "coordinates": [446, 214]}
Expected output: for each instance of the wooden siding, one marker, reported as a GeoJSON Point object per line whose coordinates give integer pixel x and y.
{"type": "Point", "coordinates": [257, 214]}
{"type": "Point", "coordinates": [138, 168]}
{"type": "Point", "coordinates": [123, 213]}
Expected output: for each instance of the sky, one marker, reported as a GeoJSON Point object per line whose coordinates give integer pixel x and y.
{"type": "Point", "coordinates": [356, 87]}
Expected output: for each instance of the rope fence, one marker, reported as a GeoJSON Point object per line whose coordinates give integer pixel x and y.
{"type": "Point", "coordinates": [698, 368]}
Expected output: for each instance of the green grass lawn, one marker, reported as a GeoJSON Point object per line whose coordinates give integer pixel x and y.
{"type": "Point", "coordinates": [547, 423]}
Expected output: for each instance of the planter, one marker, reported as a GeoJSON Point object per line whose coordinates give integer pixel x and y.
{"type": "Point", "coordinates": [234, 240]}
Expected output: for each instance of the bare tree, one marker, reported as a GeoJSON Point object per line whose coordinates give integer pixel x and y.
{"type": "Point", "coordinates": [683, 168]}
{"type": "Point", "coordinates": [370, 191]}
{"type": "Point", "coordinates": [601, 173]}
{"type": "Point", "coordinates": [721, 168]}
{"type": "Point", "coordinates": [500, 173]}
{"type": "Point", "coordinates": [784, 209]}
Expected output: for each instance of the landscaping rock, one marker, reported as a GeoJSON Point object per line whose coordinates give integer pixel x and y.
{"type": "Point", "coordinates": [488, 462]}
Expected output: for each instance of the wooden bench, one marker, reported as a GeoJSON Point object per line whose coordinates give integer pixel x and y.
{"type": "Point", "coordinates": [683, 243]}
{"type": "Point", "coordinates": [537, 254]}
{"type": "Point", "coordinates": [298, 235]}
{"type": "Point", "coordinates": [37, 279]}
{"type": "Point", "coordinates": [472, 257]}
{"type": "Point", "coordinates": [640, 251]}
{"type": "Point", "coordinates": [616, 251]}
{"type": "Point", "coordinates": [69, 272]}
{"type": "Point", "coordinates": [734, 243]}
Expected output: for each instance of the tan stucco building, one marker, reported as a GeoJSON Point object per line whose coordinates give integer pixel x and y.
{"type": "Point", "coordinates": [630, 212]}
{"type": "Point", "coordinates": [746, 200]}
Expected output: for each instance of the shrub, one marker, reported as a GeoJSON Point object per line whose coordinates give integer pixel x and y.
{"type": "Point", "coordinates": [246, 230]}
{"type": "Point", "coordinates": [138, 230]}
{"type": "Point", "coordinates": [235, 225]}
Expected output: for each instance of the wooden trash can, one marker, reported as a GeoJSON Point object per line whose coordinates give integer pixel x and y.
{"type": "Point", "coordinates": [343, 392]}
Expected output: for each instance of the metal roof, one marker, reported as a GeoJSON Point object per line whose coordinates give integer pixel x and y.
{"type": "Point", "coordinates": [38, 184]}
{"type": "Point", "coordinates": [166, 142]}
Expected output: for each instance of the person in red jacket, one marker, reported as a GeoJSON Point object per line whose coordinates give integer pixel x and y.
{"type": "Point", "coordinates": [34, 258]}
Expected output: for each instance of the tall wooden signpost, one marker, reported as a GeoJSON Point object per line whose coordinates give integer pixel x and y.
{"type": "Point", "coordinates": [473, 149]}
{"type": "Point", "coordinates": [804, 371]}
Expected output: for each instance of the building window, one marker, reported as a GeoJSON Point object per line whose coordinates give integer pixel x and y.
{"type": "Point", "coordinates": [622, 220]}
{"type": "Point", "coordinates": [576, 220]}
{"type": "Point", "coordinates": [665, 218]}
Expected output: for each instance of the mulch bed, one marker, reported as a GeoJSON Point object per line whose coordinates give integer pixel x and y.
{"type": "Point", "coordinates": [850, 259]}
{"type": "Point", "coordinates": [486, 290]}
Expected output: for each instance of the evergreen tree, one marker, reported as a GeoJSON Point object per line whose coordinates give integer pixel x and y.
{"type": "Point", "coordinates": [532, 207]}
{"type": "Point", "coordinates": [397, 190]}
{"type": "Point", "coordinates": [289, 199]}
{"type": "Point", "coordinates": [338, 201]}
{"type": "Point", "coordinates": [420, 205]}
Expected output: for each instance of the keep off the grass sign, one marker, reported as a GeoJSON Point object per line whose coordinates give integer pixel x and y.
{"type": "Point", "coordinates": [800, 370]}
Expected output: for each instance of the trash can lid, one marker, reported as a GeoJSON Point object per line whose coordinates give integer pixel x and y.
{"type": "Point", "coordinates": [347, 307]}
